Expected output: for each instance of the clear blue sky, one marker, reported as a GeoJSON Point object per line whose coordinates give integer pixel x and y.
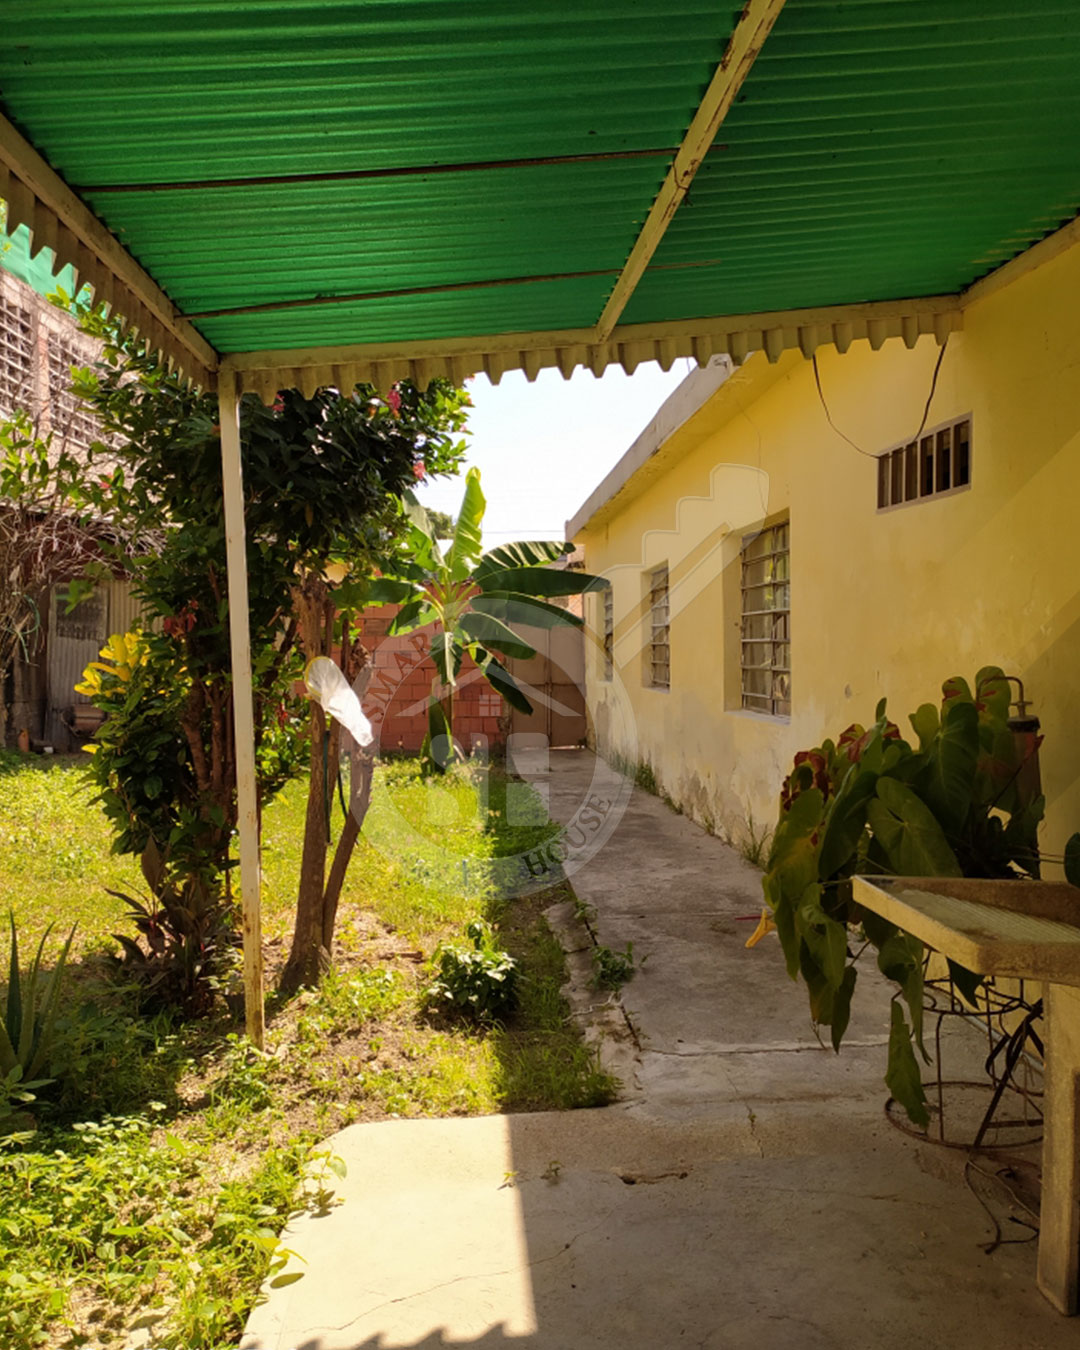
{"type": "Point", "coordinates": [541, 448]}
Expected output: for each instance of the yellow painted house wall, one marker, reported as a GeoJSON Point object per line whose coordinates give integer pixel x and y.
{"type": "Point", "coordinates": [882, 603]}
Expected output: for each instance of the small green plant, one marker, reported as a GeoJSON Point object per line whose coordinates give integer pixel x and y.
{"type": "Point", "coordinates": [17, 1125]}
{"type": "Point", "coordinates": [584, 912]}
{"type": "Point", "coordinates": [645, 778]}
{"type": "Point", "coordinates": [611, 970]}
{"type": "Point", "coordinates": [478, 981]}
{"type": "Point", "coordinates": [26, 1031]}
{"type": "Point", "coordinates": [189, 936]}
{"type": "Point", "coordinates": [752, 844]}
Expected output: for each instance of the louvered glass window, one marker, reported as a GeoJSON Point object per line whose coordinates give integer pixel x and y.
{"type": "Point", "coordinates": [938, 462]}
{"type": "Point", "coordinates": [659, 620]}
{"type": "Point", "coordinates": [608, 632]}
{"type": "Point", "coordinates": [766, 621]}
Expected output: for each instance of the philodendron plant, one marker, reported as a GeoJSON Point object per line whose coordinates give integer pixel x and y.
{"type": "Point", "coordinates": [875, 804]}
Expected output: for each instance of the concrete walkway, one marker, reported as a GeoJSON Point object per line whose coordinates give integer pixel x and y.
{"type": "Point", "coordinates": [746, 1192]}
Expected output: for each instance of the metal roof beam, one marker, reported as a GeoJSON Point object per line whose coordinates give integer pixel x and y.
{"type": "Point", "coordinates": [360, 175]}
{"type": "Point", "coordinates": [753, 27]}
{"type": "Point", "coordinates": [38, 197]}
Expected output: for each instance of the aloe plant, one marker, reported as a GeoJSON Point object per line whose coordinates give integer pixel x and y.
{"type": "Point", "coordinates": [26, 1029]}
{"type": "Point", "coordinates": [472, 599]}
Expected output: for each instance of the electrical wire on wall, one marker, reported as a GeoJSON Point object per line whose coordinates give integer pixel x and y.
{"type": "Point", "coordinates": [926, 411]}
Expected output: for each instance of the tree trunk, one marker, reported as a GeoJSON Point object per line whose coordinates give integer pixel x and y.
{"type": "Point", "coordinates": [363, 767]}
{"type": "Point", "coordinates": [318, 895]}
{"type": "Point", "coordinates": [307, 957]}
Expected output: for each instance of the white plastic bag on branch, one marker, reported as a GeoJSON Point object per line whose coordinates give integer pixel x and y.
{"type": "Point", "coordinates": [329, 688]}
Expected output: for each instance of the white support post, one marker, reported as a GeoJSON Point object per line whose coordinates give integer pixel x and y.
{"type": "Point", "coordinates": [243, 705]}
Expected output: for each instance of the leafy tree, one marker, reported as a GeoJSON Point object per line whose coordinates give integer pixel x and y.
{"type": "Point", "coordinates": [442, 524]}
{"type": "Point", "coordinates": [322, 481]}
{"type": "Point", "coordinates": [472, 599]}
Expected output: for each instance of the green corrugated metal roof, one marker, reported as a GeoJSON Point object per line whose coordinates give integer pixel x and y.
{"type": "Point", "coordinates": [881, 149]}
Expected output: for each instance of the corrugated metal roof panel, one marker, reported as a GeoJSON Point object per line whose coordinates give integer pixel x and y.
{"type": "Point", "coordinates": [376, 234]}
{"type": "Point", "coordinates": [138, 91]}
{"type": "Point", "coordinates": [878, 149]}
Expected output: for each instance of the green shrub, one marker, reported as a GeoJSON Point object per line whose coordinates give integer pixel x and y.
{"type": "Point", "coordinates": [187, 939]}
{"type": "Point", "coordinates": [873, 803]}
{"type": "Point", "coordinates": [26, 1029]}
{"type": "Point", "coordinates": [478, 981]}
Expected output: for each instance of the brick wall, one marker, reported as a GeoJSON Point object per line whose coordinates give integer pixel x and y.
{"type": "Point", "coordinates": [397, 697]}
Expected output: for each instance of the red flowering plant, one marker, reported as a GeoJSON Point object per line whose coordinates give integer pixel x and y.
{"type": "Point", "coordinates": [873, 803]}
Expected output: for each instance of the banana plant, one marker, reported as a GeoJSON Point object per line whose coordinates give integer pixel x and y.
{"type": "Point", "coordinates": [472, 601]}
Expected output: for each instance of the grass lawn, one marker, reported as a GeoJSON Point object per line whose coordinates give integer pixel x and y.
{"type": "Point", "coordinates": [168, 1156]}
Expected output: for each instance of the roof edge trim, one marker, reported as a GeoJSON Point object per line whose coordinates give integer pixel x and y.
{"type": "Point", "coordinates": [58, 220]}
{"type": "Point", "coordinates": [677, 409]}
{"type": "Point", "coordinates": [735, 335]}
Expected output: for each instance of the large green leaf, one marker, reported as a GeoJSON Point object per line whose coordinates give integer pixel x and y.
{"type": "Point", "coordinates": [992, 692]}
{"type": "Point", "coordinates": [502, 681]}
{"type": "Point", "coordinates": [822, 992]}
{"type": "Point", "coordinates": [793, 866]}
{"type": "Point", "coordinates": [526, 609]}
{"type": "Point", "coordinates": [1072, 860]}
{"type": "Point", "coordinates": [900, 959]}
{"type": "Point", "coordinates": [841, 1013]}
{"type": "Point", "coordinates": [824, 937]}
{"type": "Point", "coordinates": [415, 614]}
{"type": "Point", "coordinates": [793, 857]}
{"type": "Point", "coordinates": [420, 554]}
{"type": "Point", "coordinates": [467, 545]}
{"type": "Point", "coordinates": [524, 553]}
{"type": "Point", "coordinates": [446, 653]}
{"type": "Point", "coordinates": [1022, 837]}
{"type": "Point", "coordinates": [956, 687]}
{"type": "Point", "coordinates": [908, 833]}
{"type": "Point", "coordinates": [927, 724]}
{"type": "Point", "coordinates": [390, 591]}
{"type": "Point", "coordinates": [477, 627]}
{"type": "Point", "coordinates": [950, 773]}
{"type": "Point", "coordinates": [846, 820]}
{"type": "Point", "coordinates": [903, 1077]}
{"type": "Point", "coordinates": [415, 513]}
{"type": "Point", "coordinates": [542, 581]}
{"type": "Point", "coordinates": [966, 981]}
